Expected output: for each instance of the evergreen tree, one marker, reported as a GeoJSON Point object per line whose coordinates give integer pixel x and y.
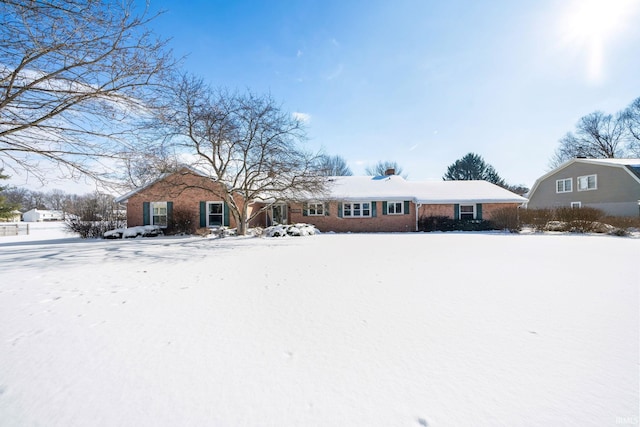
{"type": "Point", "coordinates": [473, 167]}
{"type": "Point", "coordinates": [6, 208]}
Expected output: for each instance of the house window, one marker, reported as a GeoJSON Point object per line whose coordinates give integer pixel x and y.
{"type": "Point", "coordinates": [564, 185]}
{"type": "Point", "coordinates": [576, 205]}
{"type": "Point", "coordinates": [316, 209]}
{"type": "Point", "coordinates": [395, 208]}
{"type": "Point", "coordinates": [356, 210]}
{"type": "Point", "coordinates": [159, 214]}
{"type": "Point", "coordinates": [589, 182]}
{"type": "Point", "coordinates": [467, 211]}
{"type": "Point", "coordinates": [215, 214]}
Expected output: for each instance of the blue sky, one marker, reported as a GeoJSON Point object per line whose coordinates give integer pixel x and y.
{"type": "Point", "coordinates": [420, 82]}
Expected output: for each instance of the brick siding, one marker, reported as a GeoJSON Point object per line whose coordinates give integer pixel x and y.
{"type": "Point", "coordinates": [186, 190]}
{"type": "Point", "coordinates": [380, 223]}
{"type": "Point", "coordinates": [448, 210]}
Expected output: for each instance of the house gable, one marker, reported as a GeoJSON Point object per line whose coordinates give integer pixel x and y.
{"type": "Point", "coordinates": [606, 184]}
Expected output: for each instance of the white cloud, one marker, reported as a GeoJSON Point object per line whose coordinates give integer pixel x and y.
{"type": "Point", "coordinates": [302, 117]}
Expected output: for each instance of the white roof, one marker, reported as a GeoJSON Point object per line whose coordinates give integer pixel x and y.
{"type": "Point", "coordinates": [613, 162]}
{"type": "Point", "coordinates": [395, 187]}
{"type": "Point", "coordinates": [440, 192]}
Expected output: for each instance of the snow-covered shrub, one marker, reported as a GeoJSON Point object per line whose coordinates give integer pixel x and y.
{"type": "Point", "coordinates": [130, 232]}
{"type": "Point", "coordinates": [257, 231]}
{"type": "Point", "coordinates": [290, 230]}
{"type": "Point", "coordinates": [92, 229]}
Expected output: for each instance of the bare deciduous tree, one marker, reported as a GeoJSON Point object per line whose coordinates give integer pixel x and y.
{"type": "Point", "coordinates": [334, 166]}
{"type": "Point", "coordinates": [72, 76]}
{"type": "Point", "coordinates": [597, 135]}
{"type": "Point", "coordinates": [632, 121]}
{"type": "Point", "coordinates": [381, 168]}
{"type": "Point", "coordinates": [246, 142]}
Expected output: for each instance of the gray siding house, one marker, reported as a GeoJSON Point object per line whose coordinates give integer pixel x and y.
{"type": "Point", "coordinates": [611, 185]}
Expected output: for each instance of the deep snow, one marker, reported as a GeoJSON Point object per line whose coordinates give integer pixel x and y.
{"type": "Point", "coordinates": [331, 330]}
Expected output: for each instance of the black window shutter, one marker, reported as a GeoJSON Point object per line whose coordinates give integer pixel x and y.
{"type": "Point", "coordinates": [203, 214]}
{"type": "Point", "coordinates": [169, 213]}
{"type": "Point", "coordinates": [407, 207]}
{"type": "Point", "coordinates": [226, 213]}
{"type": "Point", "coordinates": [146, 213]}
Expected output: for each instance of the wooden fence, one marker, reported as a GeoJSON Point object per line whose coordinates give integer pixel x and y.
{"type": "Point", "coordinates": [13, 229]}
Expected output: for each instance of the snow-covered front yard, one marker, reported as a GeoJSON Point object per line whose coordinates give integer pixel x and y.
{"type": "Point", "coordinates": [329, 330]}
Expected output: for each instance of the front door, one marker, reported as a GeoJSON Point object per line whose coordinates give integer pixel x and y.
{"type": "Point", "coordinates": [279, 214]}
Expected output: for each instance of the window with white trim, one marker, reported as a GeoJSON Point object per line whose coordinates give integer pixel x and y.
{"type": "Point", "coordinates": [564, 185]}
{"type": "Point", "coordinates": [315, 209]}
{"type": "Point", "coordinates": [576, 205]}
{"type": "Point", "coordinates": [356, 209]}
{"type": "Point", "coordinates": [395, 208]}
{"type": "Point", "coordinates": [159, 214]}
{"type": "Point", "coordinates": [467, 211]}
{"type": "Point", "coordinates": [215, 214]}
{"type": "Point", "coordinates": [588, 182]}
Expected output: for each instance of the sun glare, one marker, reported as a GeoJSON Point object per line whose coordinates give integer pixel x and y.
{"type": "Point", "coordinates": [590, 25]}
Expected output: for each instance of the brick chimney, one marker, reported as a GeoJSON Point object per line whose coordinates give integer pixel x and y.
{"type": "Point", "coordinates": [390, 172]}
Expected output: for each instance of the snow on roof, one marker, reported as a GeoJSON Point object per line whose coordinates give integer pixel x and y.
{"type": "Point", "coordinates": [441, 192]}
{"type": "Point", "coordinates": [391, 187]}
{"type": "Point", "coordinates": [395, 187]}
{"type": "Point", "coordinates": [612, 162]}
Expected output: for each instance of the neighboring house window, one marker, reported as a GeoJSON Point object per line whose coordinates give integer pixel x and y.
{"type": "Point", "coordinates": [575, 205]}
{"type": "Point", "coordinates": [356, 210]}
{"type": "Point", "coordinates": [467, 211]}
{"type": "Point", "coordinates": [215, 214]}
{"type": "Point", "coordinates": [159, 214]}
{"type": "Point", "coordinates": [564, 185]}
{"type": "Point", "coordinates": [589, 182]}
{"type": "Point", "coordinates": [316, 209]}
{"type": "Point", "coordinates": [395, 208]}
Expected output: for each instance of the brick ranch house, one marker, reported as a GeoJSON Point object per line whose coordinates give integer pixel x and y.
{"type": "Point", "coordinates": [353, 203]}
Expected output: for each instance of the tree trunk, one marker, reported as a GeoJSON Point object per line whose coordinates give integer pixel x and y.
{"type": "Point", "coordinates": [242, 223]}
